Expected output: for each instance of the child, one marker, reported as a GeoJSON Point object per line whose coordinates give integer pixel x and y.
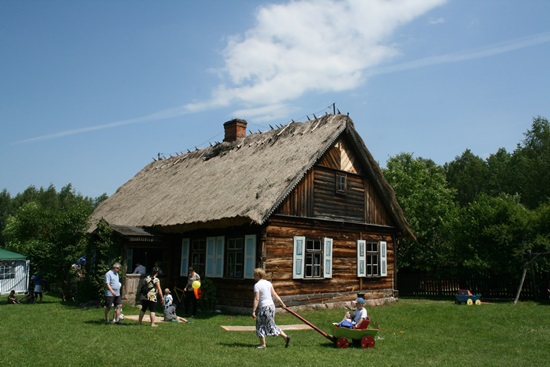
{"type": "Point", "coordinates": [12, 299]}
{"type": "Point", "coordinates": [170, 309]}
{"type": "Point", "coordinates": [346, 321]}
{"type": "Point", "coordinates": [360, 314]}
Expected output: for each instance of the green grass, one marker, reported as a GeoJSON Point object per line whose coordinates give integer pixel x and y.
{"type": "Point", "coordinates": [414, 333]}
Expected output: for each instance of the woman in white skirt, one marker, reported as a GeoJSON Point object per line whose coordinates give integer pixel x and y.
{"type": "Point", "coordinates": [265, 307]}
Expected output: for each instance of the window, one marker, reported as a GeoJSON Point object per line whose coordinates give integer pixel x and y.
{"type": "Point", "coordinates": [7, 270]}
{"type": "Point", "coordinates": [217, 257]}
{"type": "Point", "coordinates": [193, 253]}
{"type": "Point", "coordinates": [341, 184]}
{"type": "Point", "coordinates": [312, 258]}
{"type": "Point", "coordinates": [371, 258]}
{"type": "Point", "coordinates": [234, 258]}
{"type": "Point", "coordinates": [314, 254]}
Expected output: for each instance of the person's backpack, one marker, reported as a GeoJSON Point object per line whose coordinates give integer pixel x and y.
{"type": "Point", "coordinates": [145, 289]}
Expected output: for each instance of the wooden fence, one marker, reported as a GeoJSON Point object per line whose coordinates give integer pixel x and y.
{"type": "Point", "coordinates": [535, 286]}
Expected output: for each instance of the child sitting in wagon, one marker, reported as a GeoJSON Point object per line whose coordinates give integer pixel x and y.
{"type": "Point", "coordinates": [359, 320]}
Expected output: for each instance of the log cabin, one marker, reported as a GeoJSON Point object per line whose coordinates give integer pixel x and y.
{"type": "Point", "coordinates": [305, 201]}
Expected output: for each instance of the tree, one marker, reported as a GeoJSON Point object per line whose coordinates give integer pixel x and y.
{"type": "Point", "coordinates": [428, 204]}
{"type": "Point", "coordinates": [493, 234]}
{"type": "Point", "coordinates": [500, 174]}
{"type": "Point", "coordinates": [50, 228]}
{"type": "Point", "coordinates": [468, 175]}
{"type": "Point", "coordinates": [532, 164]}
{"type": "Point", "coordinates": [5, 211]}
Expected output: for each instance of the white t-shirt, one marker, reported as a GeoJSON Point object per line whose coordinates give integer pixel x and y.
{"type": "Point", "coordinates": [264, 287]}
{"type": "Point", "coordinates": [168, 299]}
{"type": "Point", "coordinates": [358, 314]}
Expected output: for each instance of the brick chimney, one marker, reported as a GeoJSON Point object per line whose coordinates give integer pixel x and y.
{"type": "Point", "coordinates": [234, 130]}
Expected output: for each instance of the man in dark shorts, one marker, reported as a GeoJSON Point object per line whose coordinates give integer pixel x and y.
{"type": "Point", "coordinates": [112, 294]}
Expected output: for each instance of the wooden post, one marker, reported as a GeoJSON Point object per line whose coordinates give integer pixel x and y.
{"type": "Point", "coordinates": [521, 283]}
{"type": "Point", "coordinates": [532, 256]}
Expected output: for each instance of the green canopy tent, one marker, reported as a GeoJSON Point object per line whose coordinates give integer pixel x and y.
{"type": "Point", "coordinates": [14, 272]}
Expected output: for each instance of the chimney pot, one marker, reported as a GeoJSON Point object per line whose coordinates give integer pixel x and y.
{"type": "Point", "coordinates": [234, 129]}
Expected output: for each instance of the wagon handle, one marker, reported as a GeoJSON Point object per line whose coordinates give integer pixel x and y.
{"type": "Point", "coordinates": [329, 337]}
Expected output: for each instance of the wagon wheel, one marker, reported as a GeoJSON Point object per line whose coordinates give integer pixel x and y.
{"type": "Point", "coordinates": [478, 302]}
{"type": "Point", "coordinates": [367, 342]}
{"type": "Point", "coordinates": [470, 302]}
{"type": "Point", "coordinates": [342, 343]}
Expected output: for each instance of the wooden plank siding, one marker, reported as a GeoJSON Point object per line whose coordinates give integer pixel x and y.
{"type": "Point", "coordinates": [328, 203]}
{"type": "Point", "coordinates": [300, 201]}
{"type": "Point", "coordinates": [278, 262]}
{"type": "Point", "coordinates": [279, 259]}
{"type": "Point", "coordinates": [316, 196]}
{"type": "Point", "coordinates": [376, 212]}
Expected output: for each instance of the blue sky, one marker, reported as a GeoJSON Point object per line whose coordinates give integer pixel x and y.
{"type": "Point", "coordinates": [91, 91]}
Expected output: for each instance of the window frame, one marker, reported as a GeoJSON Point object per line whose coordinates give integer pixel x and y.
{"type": "Point", "coordinates": [341, 184]}
{"type": "Point", "coordinates": [371, 263]}
{"type": "Point", "coordinates": [234, 252]}
{"type": "Point", "coordinates": [211, 252]}
{"type": "Point", "coordinates": [317, 258]}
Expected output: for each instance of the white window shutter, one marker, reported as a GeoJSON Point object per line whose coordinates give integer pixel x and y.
{"type": "Point", "coordinates": [249, 256]}
{"type": "Point", "coordinates": [220, 246]}
{"type": "Point", "coordinates": [361, 258]}
{"type": "Point", "coordinates": [383, 259]}
{"type": "Point", "coordinates": [210, 252]}
{"type": "Point", "coordinates": [327, 258]}
{"type": "Point", "coordinates": [214, 256]}
{"type": "Point", "coordinates": [184, 257]}
{"type": "Point", "coordinates": [298, 258]}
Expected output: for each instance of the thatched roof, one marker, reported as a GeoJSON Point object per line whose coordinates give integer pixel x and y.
{"type": "Point", "coordinates": [232, 183]}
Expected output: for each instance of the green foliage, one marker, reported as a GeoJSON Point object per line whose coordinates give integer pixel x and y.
{"type": "Point", "coordinates": [103, 249]}
{"type": "Point", "coordinates": [467, 174]}
{"type": "Point", "coordinates": [493, 235]}
{"type": "Point", "coordinates": [532, 164]}
{"type": "Point", "coordinates": [209, 299]}
{"type": "Point", "coordinates": [49, 227]}
{"type": "Point", "coordinates": [428, 205]}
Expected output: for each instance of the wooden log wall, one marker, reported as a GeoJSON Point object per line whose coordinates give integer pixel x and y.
{"type": "Point", "coordinates": [328, 203]}
{"type": "Point", "coordinates": [279, 247]}
{"type": "Point", "coordinates": [316, 196]}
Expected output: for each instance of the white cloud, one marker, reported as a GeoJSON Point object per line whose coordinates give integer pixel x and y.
{"type": "Point", "coordinates": [435, 21]}
{"type": "Point", "coordinates": [296, 48]}
{"type": "Point", "coordinates": [309, 46]}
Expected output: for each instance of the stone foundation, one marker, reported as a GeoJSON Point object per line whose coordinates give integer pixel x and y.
{"type": "Point", "coordinates": [320, 302]}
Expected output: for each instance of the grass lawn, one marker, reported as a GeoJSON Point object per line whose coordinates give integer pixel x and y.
{"type": "Point", "coordinates": [414, 333]}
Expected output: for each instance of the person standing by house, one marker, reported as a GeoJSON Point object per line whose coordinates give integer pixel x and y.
{"type": "Point", "coordinates": [112, 294]}
{"type": "Point", "coordinates": [139, 269]}
{"type": "Point", "coordinates": [190, 300]}
{"type": "Point", "coordinates": [150, 302]}
{"type": "Point", "coordinates": [263, 303]}
{"type": "Point", "coordinates": [38, 281]}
